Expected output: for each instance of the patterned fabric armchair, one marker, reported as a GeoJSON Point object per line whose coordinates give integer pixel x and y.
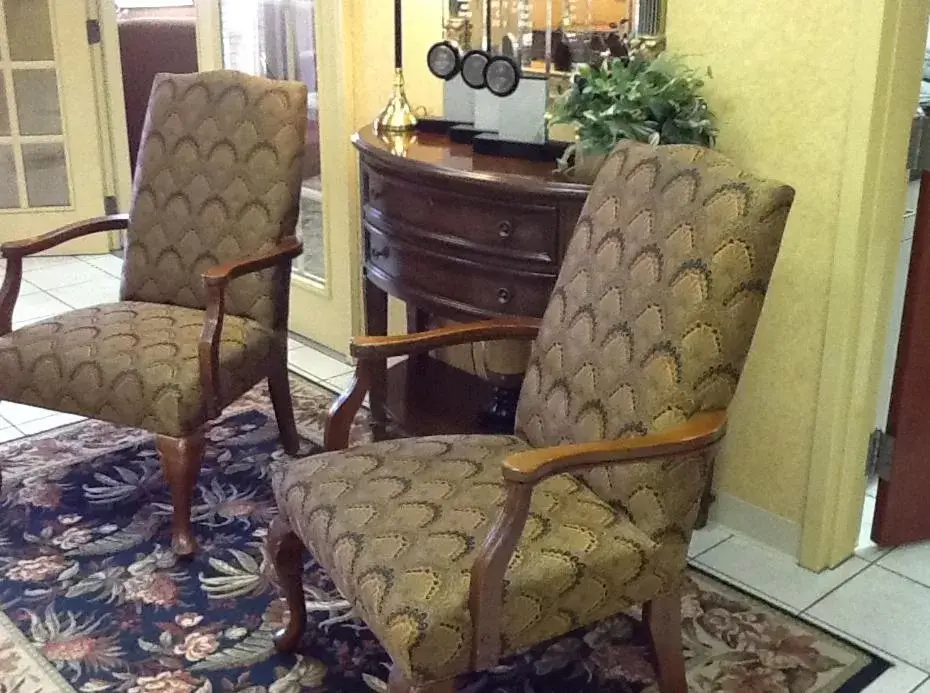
{"type": "Point", "coordinates": [204, 295]}
{"type": "Point", "coordinates": [459, 550]}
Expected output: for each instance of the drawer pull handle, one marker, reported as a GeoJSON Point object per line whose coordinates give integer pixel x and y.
{"type": "Point", "coordinates": [505, 230]}
{"type": "Point", "coordinates": [504, 296]}
{"type": "Point", "coordinates": [380, 252]}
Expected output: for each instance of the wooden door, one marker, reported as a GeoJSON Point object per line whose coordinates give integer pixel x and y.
{"type": "Point", "coordinates": [902, 509]}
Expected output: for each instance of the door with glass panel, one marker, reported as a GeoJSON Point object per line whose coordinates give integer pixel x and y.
{"type": "Point", "coordinates": [281, 39]}
{"type": "Point", "coordinates": [50, 166]}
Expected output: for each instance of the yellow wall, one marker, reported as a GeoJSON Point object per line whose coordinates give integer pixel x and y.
{"type": "Point", "coordinates": [373, 31]}
{"type": "Point", "coordinates": [794, 83]}
{"type": "Point", "coordinates": [801, 101]}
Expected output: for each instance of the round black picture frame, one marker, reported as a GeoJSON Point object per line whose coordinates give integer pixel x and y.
{"type": "Point", "coordinates": [512, 65]}
{"type": "Point", "coordinates": [471, 56]}
{"type": "Point", "coordinates": [456, 56]}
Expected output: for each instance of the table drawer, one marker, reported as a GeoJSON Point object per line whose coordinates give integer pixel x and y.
{"type": "Point", "coordinates": [455, 284]}
{"type": "Point", "coordinates": [507, 229]}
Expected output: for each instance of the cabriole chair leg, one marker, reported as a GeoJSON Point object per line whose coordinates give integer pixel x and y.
{"type": "Point", "coordinates": [286, 552]}
{"type": "Point", "coordinates": [663, 619]}
{"type": "Point", "coordinates": [180, 461]}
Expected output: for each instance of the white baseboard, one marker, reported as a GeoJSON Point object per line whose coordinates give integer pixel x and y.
{"type": "Point", "coordinates": [761, 525]}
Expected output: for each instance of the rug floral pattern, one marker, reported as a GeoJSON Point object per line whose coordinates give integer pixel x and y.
{"type": "Point", "coordinates": [98, 602]}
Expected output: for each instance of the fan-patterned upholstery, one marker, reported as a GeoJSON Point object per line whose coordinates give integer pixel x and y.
{"type": "Point", "coordinates": [218, 179]}
{"type": "Point", "coordinates": [652, 316]}
{"type": "Point", "coordinates": [649, 323]}
{"type": "Point", "coordinates": [397, 526]}
{"type": "Point", "coordinates": [132, 363]}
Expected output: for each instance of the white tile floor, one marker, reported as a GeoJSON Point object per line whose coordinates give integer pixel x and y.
{"type": "Point", "coordinates": [879, 599]}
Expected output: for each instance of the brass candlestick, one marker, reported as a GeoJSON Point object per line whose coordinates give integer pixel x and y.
{"type": "Point", "coordinates": [398, 115]}
{"type": "Point", "coordinates": [399, 142]}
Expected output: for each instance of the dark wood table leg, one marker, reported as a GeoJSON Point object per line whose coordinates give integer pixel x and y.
{"type": "Point", "coordinates": [501, 411]}
{"type": "Point", "coordinates": [417, 321]}
{"type": "Point", "coordinates": [376, 324]}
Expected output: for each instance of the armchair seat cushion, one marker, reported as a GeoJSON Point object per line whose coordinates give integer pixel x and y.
{"type": "Point", "coordinates": [397, 526]}
{"type": "Point", "coordinates": [130, 363]}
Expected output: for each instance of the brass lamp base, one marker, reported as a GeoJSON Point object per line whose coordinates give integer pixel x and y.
{"type": "Point", "coordinates": [398, 115]}
{"type": "Point", "coordinates": [399, 142]}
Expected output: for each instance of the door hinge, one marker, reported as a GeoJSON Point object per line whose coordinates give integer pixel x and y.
{"type": "Point", "coordinates": [881, 450]}
{"type": "Point", "coordinates": [110, 205]}
{"type": "Point", "coordinates": [93, 31]}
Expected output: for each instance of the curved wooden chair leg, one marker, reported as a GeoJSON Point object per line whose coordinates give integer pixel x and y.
{"type": "Point", "coordinates": [286, 552]}
{"type": "Point", "coordinates": [398, 683]}
{"type": "Point", "coordinates": [280, 389]}
{"type": "Point", "coordinates": [663, 619]}
{"type": "Point", "coordinates": [180, 462]}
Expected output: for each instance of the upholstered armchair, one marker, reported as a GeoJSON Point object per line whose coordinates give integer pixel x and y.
{"type": "Point", "coordinates": [460, 550]}
{"type": "Point", "coordinates": [203, 307]}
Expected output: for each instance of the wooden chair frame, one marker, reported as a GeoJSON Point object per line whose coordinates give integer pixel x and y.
{"type": "Point", "coordinates": [521, 473]}
{"type": "Point", "coordinates": [181, 457]}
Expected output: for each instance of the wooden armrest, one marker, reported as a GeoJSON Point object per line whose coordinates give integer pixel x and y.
{"type": "Point", "coordinates": [697, 433]}
{"type": "Point", "coordinates": [521, 473]}
{"type": "Point", "coordinates": [215, 281]}
{"type": "Point", "coordinates": [220, 275]}
{"type": "Point", "coordinates": [31, 246]}
{"type": "Point", "coordinates": [342, 413]}
{"type": "Point", "coordinates": [15, 251]}
{"type": "Point", "coordinates": [485, 331]}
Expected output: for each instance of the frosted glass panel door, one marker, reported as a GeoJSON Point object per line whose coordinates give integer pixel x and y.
{"type": "Point", "coordinates": [275, 38]}
{"type": "Point", "coordinates": [33, 115]}
{"type": "Point", "coordinates": [310, 41]}
{"type": "Point", "coordinates": [50, 168]}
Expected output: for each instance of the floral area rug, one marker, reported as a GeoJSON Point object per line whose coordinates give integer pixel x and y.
{"type": "Point", "coordinates": [95, 601]}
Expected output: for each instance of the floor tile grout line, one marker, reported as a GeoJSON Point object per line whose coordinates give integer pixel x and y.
{"type": "Point", "coordinates": [901, 575]}
{"type": "Point", "coordinates": [750, 589]}
{"type": "Point", "coordinates": [97, 267]}
{"type": "Point", "coordinates": [321, 353]}
{"type": "Point", "coordinates": [873, 561]}
{"type": "Point", "coordinates": [711, 548]}
{"type": "Point", "coordinates": [917, 687]}
{"type": "Point", "coordinates": [842, 584]}
{"type": "Point", "coordinates": [304, 373]}
{"type": "Point", "coordinates": [766, 594]}
{"type": "Point", "coordinates": [341, 375]}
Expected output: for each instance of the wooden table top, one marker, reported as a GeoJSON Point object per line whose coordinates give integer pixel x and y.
{"type": "Point", "coordinates": [446, 158]}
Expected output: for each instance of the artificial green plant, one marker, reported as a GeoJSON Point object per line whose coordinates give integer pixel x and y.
{"type": "Point", "coordinates": [656, 100]}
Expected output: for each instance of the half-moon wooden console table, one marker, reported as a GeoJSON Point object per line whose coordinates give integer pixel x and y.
{"type": "Point", "coordinates": [458, 236]}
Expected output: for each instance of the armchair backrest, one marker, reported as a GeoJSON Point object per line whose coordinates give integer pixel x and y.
{"type": "Point", "coordinates": [218, 179]}
{"type": "Point", "coordinates": [657, 300]}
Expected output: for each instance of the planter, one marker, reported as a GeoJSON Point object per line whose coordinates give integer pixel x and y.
{"type": "Point", "coordinates": [579, 166]}
{"type": "Point", "coordinates": [586, 166]}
